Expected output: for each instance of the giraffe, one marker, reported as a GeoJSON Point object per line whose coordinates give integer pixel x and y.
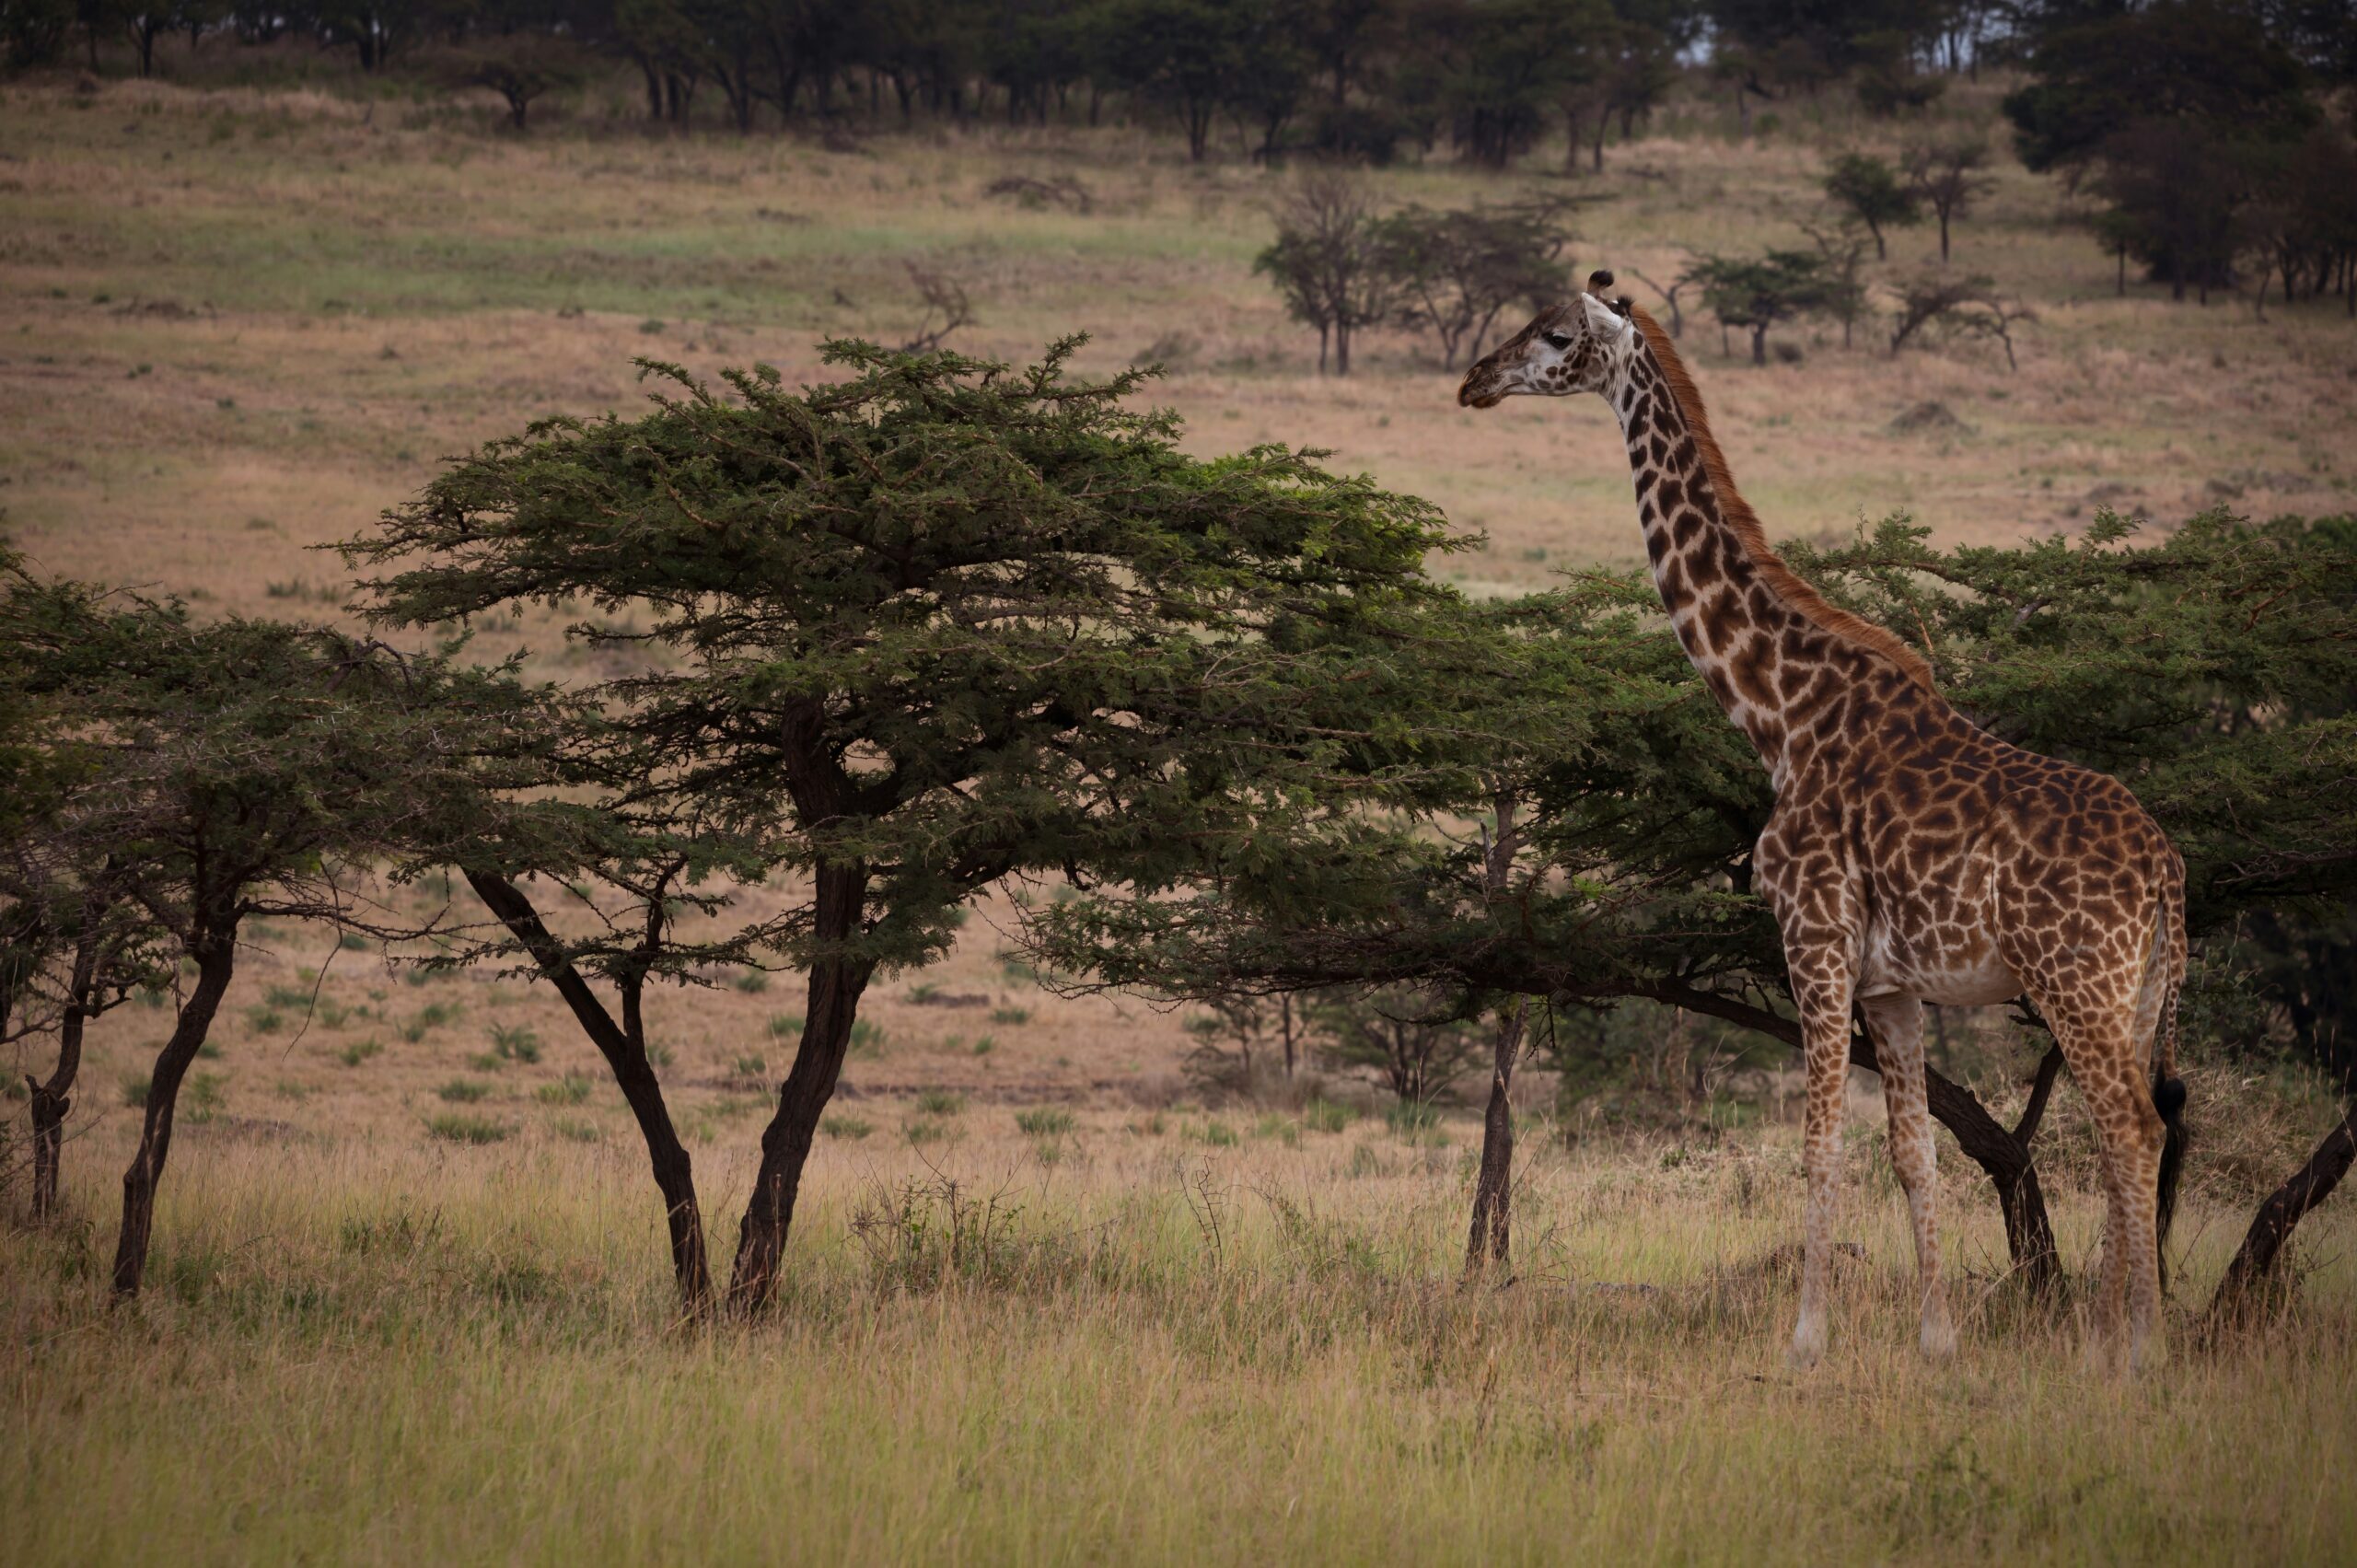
{"type": "Point", "coordinates": [1910, 857]}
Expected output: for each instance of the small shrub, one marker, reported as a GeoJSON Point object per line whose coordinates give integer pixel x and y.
{"type": "Point", "coordinates": [752, 982]}
{"type": "Point", "coordinates": [289, 996]}
{"type": "Point", "coordinates": [985, 1045]}
{"type": "Point", "coordinates": [1045, 1122]}
{"type": "Point", "coordinates": [263, 1020]}
{"type": "Point", "coordinates": [354, 1055]}
{"type": "Point", "coordinates": [940, 1102]}
{"type": "Point", "coordinates": [456, 1127]}
{"type": "Point", "coordinates": [921, 1132]}
{"type": "Point", "coordinates": [464, 1091]}
{"type": "Point", "coordinates": [924, 992]}
{"type": "Point", "coordinates": [1326, 1116]}
{"type": "Point", "coordinates": [205, 1096]}
{"type": "Point", "coordinates": [486, 1061]}
{"type": "Point", "coordinates": [1220, 1135]}
{"type": "Point", "coordinates": [1153, 1126]}
{"type": "Point", "coordinates": [1411, 1118]}
{"type": "Point", "coordinates": [134, 1090]}
{"type": "Point", "coordinates": [571, 1089]}
{"type": "Point", "coordinates": [1010, 1016]}
{"type": "Point", "coordinates": [866, 1038]}
{"type": "Point", "coordinates": [785, 1025]}
{"type": "Point", "coordinates": [514, 1043]}
{"type": "Point", "coordinates": [352, 942]}
{"type": "Point", "coordinates": [846, 1127]}
{"type": "Point", "coordinates": [574, 1130]}
{"type": "Point", "coordinates": [753, 1067]}
{"type": "Point", "coordinates": [1283, 1129]}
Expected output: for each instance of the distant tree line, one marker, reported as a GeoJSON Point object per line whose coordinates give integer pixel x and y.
{"type": "Point", "coordinates": [1367, 78]}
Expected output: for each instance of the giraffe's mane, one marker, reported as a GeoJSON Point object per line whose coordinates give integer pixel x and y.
{"type": "Point", "coordinates": [1786, 584]}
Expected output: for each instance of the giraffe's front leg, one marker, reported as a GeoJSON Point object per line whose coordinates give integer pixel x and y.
{"type": "Point", "coordinates": [1821, 985]}
{"type": "Point", "coordinates": [1897, 1024]}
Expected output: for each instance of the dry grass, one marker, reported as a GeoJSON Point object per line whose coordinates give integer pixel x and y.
{"type": "Point", "coordinates": [1152, 1350]}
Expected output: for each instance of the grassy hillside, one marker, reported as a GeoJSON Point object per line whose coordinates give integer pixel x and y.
{"type": "Point", "coordinates": [409, 1300]}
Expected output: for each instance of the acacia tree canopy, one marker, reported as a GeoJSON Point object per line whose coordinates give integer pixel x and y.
{"type": "Point", "coordinates": [945, 621]}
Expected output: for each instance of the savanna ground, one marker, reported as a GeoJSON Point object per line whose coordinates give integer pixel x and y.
{"type": "Point", "coordinates": [408, 1300]}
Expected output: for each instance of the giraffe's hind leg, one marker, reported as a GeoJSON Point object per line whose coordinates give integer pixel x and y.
{"type": "Point", "coordinates": [1897, 1024]}
{"type": "Point", "coordinates": [2099, 1046]}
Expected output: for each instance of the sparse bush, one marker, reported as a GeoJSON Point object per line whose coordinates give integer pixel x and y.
{"type": "Point", "coordinates": [1044, 1123]}
{"type": "Point", "coordinates": [1011, 1016]}
{"type": "Point", "coordinates": [571, 1089]}
{"type": "Point", "coordinates": [464, 1091]}
{"type": "Point", "coordinates": [851, 1127]}
{"type": "Point", "coordinates": [355, 1054]}
{"type": "Point", "coordinates": [940, 1102]}
{"type": "Point", "coordinates": [512, 1042]}
{"type": "Point", "coordinates": [456, 1127]}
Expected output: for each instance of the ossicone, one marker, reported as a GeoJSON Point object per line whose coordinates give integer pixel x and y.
{"type": "Point", "coordinates": [1598, 281]}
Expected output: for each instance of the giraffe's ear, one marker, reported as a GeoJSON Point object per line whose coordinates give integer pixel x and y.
{"type": "Point", "coordinates": [1622, 305]}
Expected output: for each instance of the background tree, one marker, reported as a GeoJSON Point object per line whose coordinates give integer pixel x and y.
{"type": "Point", "coordinates": [1949, 177]}
{"type": "Point", "coordinates": [1327, 262]}
{"type": "Point", "coordinates": [1969, 305]}
{"type": "Point", "coordinates": [1756, 293]}
{"type": "Point", "coordinates": [1454, 272]}
{"type": "Point", "coordinates": [1870, 191]}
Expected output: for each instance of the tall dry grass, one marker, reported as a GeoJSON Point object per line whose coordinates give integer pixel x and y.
{"type": "Point", "coordinates": [1128, 1341]}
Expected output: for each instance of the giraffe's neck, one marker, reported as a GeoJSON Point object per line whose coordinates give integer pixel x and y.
{"type": "Point", "coordinates": [1736, 629]}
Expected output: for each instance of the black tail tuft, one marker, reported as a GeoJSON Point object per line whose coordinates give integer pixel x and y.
{"type": "Point", "coordinates": [2169, 1098]}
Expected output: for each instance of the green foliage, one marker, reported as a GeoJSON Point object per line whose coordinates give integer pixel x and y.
{"type": "Point", "coordinates": [1454, 272]}
{"type": "Point", "coordinates": [464, 1091]}
{"type": "Point", "coordinates": [2211, 668]}
{"type": "Point", "coordinates": [571, 1089]}
{"type": "Point", "coordinates": [851, 1127]}
{"type": "Point", "coordinates": [1869, 189]}
{"type": "Point", "coordinates": [513, 1042]}
{"type": "Point", "coordinates": [352, 1055]}
{"type": "Point", "coordinates": [458, 1127]}
{"type": "Point", "coordinates": [1047, 1122]}
{"type": "Point", "coordinates": [1757, 292]}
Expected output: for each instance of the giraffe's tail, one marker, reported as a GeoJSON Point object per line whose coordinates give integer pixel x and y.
{"type": "Point", "coordinates": [2163, 979]}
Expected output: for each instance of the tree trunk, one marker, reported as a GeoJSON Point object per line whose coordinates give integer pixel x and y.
{"type": "Point", "coordinates": [1760, 345]}
{"type": "Point", "coordinates": [624, 1048]}
{"type": "Point", "coordinates": [215, 951]}
{"type": "Point", "coordinates": [50, 1103]}
{"type": "Point", "coordinates": [1341, 348]}
{"type": "Point", "coordinates": [1944, 237]}
{"type": "Point", "coordinates": [2254, 1263]}
{"type": "Point", "coordinates": [1490, 1241]}
{"type": "Point", "coordinates": [835, 988]}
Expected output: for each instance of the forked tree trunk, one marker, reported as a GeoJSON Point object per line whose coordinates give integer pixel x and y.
{"type": "Point", "coordinates": [2254, 1263]}
{"type": "Point", "coordinates": [215, 951]}
{"type": "Point", "coordinates": [836, 985]}
{"type": "Point", "coordinates": [624, 1046]}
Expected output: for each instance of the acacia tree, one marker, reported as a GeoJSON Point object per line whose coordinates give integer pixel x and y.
{"type": "Point", "coordinates": [1757, 292]}
{"type": "Point", "coordinates": [239, 769]}
{"type": "Point", "coordinates": [1455, 271]}
{"type": "Point", "coordinates": [1329, 262]}
{"type": "Point", "coordinates": [948, 621]}
{"type": "Point", "coordinates": [1870, 191]}
{"type": "Point", "coordinates": [2187, 666]}
{"type": "Point", "coordinates": [1948, 178]}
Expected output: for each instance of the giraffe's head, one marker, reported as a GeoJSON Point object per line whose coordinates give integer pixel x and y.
{"type": "Point", "coordinates": [1575, 347]}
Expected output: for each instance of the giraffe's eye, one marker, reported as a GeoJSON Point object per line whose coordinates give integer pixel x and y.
{"type": "Point", "coordinates": [1558, 342]}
